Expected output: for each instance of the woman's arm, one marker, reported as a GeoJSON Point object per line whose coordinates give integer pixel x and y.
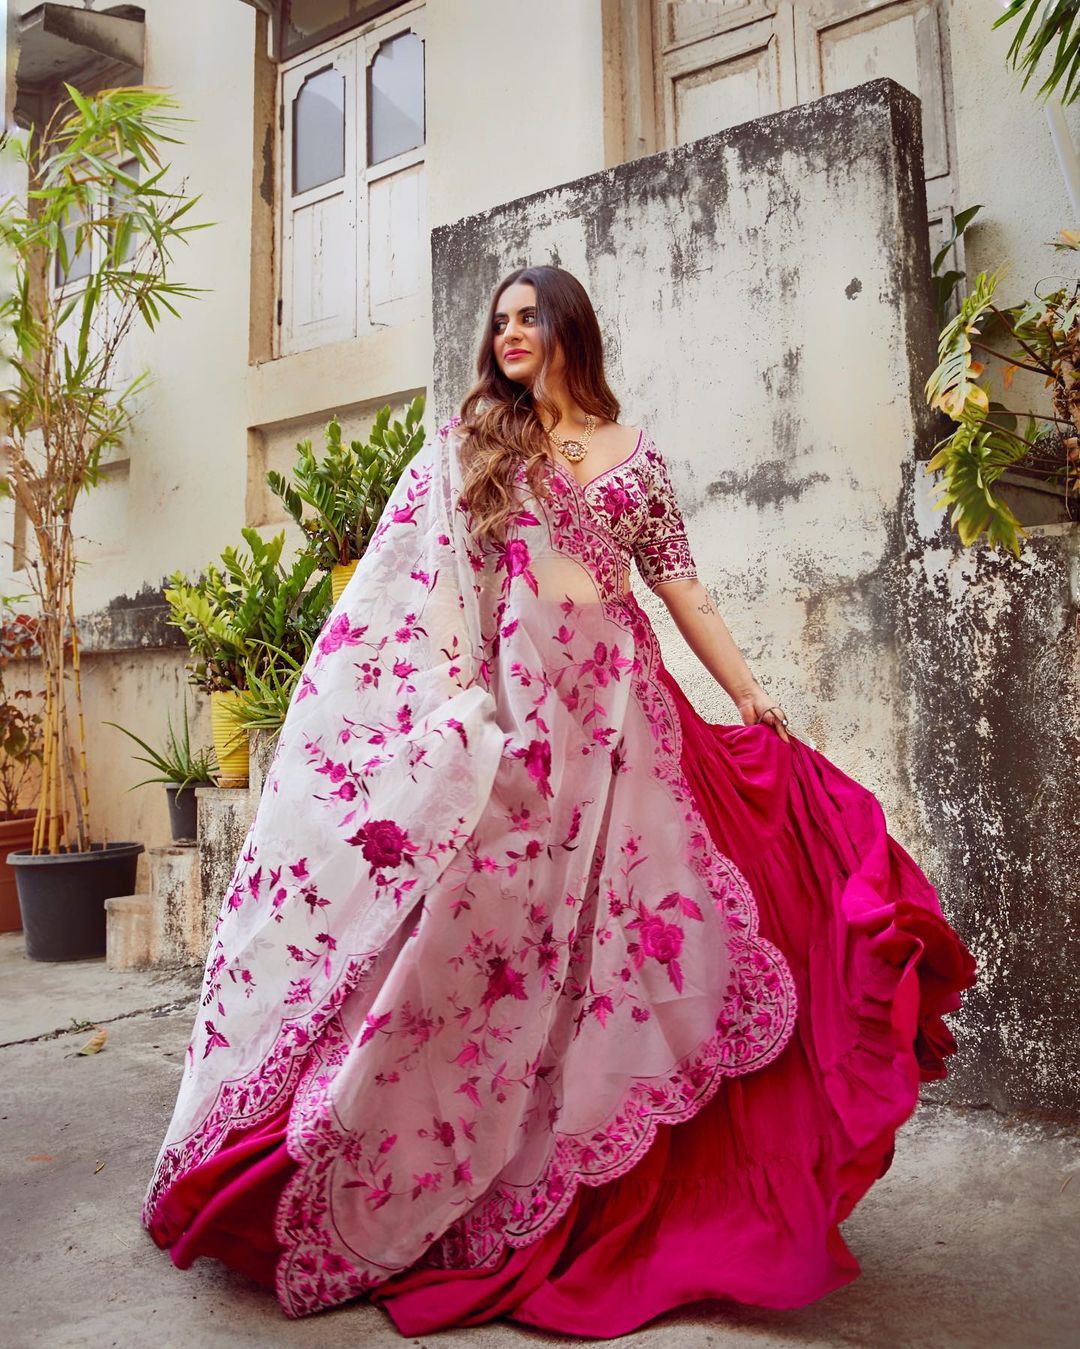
{"type": "Point", "coordinates": [708, 637]}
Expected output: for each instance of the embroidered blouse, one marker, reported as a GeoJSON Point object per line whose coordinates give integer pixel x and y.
{"type": "Point", "coordinates": [636, 501]}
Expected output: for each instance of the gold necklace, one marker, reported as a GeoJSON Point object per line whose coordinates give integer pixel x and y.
{"type": "Point", "coordinates": [574, 450]}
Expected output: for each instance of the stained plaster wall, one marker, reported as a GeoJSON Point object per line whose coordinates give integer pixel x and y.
{"type": "Point", "coordinates": [766, 314]}
{"type": "Point", "coordinates": [993, 680]}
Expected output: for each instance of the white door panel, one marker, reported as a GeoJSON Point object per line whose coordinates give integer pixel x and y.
{"type": "Point", "coordinates": [727, 77]}
{"type": "Point", "coordinates": [717, 65]}
{"type": "Point", "coordinates": [842, 43]}
{"type": "Point", "coordinates": [397, 238]}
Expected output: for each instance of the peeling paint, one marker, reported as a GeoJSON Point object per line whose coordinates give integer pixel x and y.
{"type": "Point", "coordinates": [266, 180]}
{"type": "Point", "coordinates": [992, 660]}
{"type": "Point", "coordinates": [136, 622]}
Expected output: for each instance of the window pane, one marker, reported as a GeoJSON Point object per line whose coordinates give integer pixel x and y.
{"type": "Point", "coordinates": [78, 264]}
{"type": "Point", "coordinates": [305, 20]}
{"type": "Point", "coordinates": [117, 198]}
{"type": "Point", "coordinates": [319, 130]}
{"type": "Point", "coordinates": [396, 98]}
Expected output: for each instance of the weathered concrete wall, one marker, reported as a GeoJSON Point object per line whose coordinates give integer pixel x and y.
{"type": "Point", "coordinates": [992, 678]}
{"type": "Point", "coordinates": [764, 298]}
{"type": "Point", "coordinates": [139, 690]}
{"type": "Point", "coordinates": [717, 270]}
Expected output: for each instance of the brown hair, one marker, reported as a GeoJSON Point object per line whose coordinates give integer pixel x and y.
{"type": "Point", "coordinates": [501, 417]}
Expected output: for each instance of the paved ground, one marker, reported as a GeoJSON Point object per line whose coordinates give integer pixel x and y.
{"type": "Point", "coordinates": [971, 1239]}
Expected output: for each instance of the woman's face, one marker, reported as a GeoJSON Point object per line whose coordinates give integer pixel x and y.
{"type": "Point", "coordinates": [517, 338]}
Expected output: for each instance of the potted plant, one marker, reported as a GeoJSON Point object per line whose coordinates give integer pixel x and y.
{"type": "Point", "coordinates": [348, 489]}
{"type": "Point", "coordinates": [1041, 335]}
{"type": "Point", "coordinates": [269, 684]}
{"type": "Point", "coordinates": [234, 618]}
{"type": "Point", "coordinates": [20, 751]}
{"type": "Point", "coordinates": [63, 327]}
{"type": "Point", "coordinates": [1038, 336]}
{"type": "Point", "coordinates": [181, 770]}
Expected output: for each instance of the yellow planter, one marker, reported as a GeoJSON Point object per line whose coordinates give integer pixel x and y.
{"type": "Point", "coordinates": [230, 739]}
{"type": "Point", "coordinates": [340, 575]}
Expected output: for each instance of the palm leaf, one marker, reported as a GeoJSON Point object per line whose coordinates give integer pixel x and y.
{"type": "Point", "coordinates": [1044, 23]}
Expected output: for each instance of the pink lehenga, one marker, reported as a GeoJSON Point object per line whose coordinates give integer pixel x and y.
{"type": "Point", "coordinates": [508, 904]}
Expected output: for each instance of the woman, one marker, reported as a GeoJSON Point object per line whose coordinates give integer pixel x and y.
{"type": "Point", "coordinates": [509, 903]}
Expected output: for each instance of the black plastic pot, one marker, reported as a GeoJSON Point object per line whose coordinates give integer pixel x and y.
{"type": "Point", "coordinates": [183, 812]}
{"type": "Point", "coordinates": [62, 897]}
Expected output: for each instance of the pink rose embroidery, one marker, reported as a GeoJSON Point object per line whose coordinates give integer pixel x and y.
{"type": "Point", "coordinates": [340, 632]}
{"type": "Point", "coordinates": [537, 756]}
{"type": "Point", "coordinates": [381, 842]}
{"type": "Point", "coordinates": [616, 500]}
{"type": "Point", "coordinates": [663, 941]}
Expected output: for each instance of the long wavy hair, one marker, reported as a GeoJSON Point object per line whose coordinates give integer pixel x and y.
{"type": "Point", "coordinates": [501, 418]}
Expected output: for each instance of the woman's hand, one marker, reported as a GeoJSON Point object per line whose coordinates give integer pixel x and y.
{"type": "Point", "coordinates": [755, 705]}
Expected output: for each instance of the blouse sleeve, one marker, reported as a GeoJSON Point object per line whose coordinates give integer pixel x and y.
{"type": "Point", "coordinates": [662, 549]}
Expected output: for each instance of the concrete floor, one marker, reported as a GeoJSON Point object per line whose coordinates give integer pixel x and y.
{"type": "Point", "coordinates": [971, 1239]}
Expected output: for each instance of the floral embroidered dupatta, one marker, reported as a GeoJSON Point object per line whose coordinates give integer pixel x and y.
{"type": "Point", "coordinates": [478, 931]}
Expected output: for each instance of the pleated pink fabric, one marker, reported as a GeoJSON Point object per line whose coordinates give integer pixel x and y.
{"type": "Point", "coordinates": [743, 1201]}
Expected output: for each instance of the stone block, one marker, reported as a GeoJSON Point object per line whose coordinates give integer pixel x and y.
{"type": "Point", "coordinates": [128, 932]}
{"type": "Point", "coordinates": [176, 895]}
{"type": "Point", "coordinates": [225, 816]}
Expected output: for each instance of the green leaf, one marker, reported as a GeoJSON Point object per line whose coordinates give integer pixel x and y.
{"type": "Point", "coordinates": [1041, 26]}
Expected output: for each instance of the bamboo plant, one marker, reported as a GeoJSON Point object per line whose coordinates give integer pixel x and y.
{"type": "Point", "coordinates": [63, 406]}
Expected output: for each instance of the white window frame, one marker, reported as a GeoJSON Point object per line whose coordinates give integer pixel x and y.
{"type": "Point", "coordinates": [351, 52]}
{"type": "Point", "coordinates": [99, 207]}
{"type": "Point", "coordinates": [61, 291]}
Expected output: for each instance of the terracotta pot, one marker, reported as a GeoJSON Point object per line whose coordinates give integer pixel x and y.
{"type": "Point", "coordinates": [15, 835]}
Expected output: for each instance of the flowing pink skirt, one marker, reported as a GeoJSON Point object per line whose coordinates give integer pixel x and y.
{"type": "Point", "coordinates": [743, 1201]}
